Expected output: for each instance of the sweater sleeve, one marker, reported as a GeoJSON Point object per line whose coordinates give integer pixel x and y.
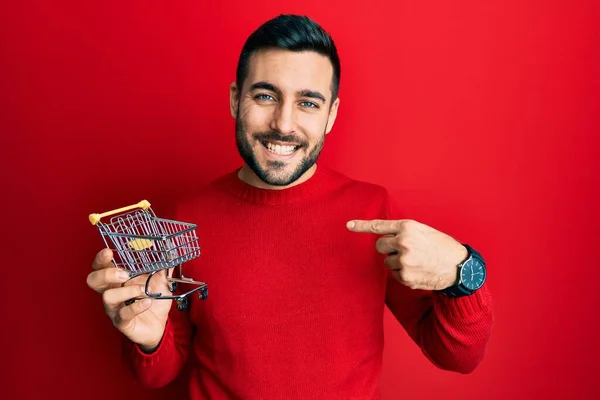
{"type": "Point", "coordinates": [453, 333]}
{"type": "Point", "coordinates": [161, 367]}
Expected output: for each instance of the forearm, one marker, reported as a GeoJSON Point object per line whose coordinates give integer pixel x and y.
{"type": "Point", "coordinates": [455, 332]}
{"type": "Point", "coordinates": [452, 332]}
{"type": "Point", "coordinates": [157, 368]}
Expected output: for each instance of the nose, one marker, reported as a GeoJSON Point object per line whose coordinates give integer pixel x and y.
{"type": "Point", "coordinates": [284, 119]}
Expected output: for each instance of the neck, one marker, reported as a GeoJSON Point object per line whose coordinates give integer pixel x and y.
{"type": "Point", "coordinates": [246, 175]}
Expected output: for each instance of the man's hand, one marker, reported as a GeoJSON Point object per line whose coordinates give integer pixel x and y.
{"type": "Point", "coordinates": [419, 256]}
{"type": "Point", "coordinates": [144, 321]}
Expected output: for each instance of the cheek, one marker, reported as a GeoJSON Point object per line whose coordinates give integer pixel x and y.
{"type": "Point", "coordinates": [256, 119]}
{"type": "Point", "coordinates": [313, 126]}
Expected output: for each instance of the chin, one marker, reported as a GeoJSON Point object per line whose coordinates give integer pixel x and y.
{"type": "Point", "coordinates": [274, 164]}
{"type": "Point", "coordinates": [278, 175]}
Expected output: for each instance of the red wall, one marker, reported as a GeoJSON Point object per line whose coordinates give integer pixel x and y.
{"type": "Point", "coordinates": [481, 117]}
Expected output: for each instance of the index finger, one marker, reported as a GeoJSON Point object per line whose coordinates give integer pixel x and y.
{"type": "Point", "coordinates": [378, 226]}
{"type": "Point", "coordinates": [103, 259]}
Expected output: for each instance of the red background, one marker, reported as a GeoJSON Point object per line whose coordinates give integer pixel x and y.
{"type": "Point", "coordinates": [481, 118]}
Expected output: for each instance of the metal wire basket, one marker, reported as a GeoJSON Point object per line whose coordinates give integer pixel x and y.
{"type": "Point", "coordinates": [143, 244]}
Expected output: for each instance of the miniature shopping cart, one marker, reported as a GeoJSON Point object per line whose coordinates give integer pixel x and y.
{"type": "Point", "coordinates": [144, 244]}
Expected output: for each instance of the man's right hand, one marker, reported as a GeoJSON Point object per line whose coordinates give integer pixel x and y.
{"type": "Point", "coordinates": [144, 321]}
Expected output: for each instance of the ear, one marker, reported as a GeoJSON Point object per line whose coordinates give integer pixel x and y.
{"type": "Point", "coordinates": [332, 115]}
{"type": "Point", "coordinates": [234, 99]}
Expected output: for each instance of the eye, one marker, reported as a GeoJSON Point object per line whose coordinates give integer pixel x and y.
{"type": "Point", "coordinates": [309, 104]}
{"type": "Point", "coordinates": [264, 97]}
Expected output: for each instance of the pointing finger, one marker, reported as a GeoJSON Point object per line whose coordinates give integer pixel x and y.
{"type": "Point", "coordinates": [378, 226]}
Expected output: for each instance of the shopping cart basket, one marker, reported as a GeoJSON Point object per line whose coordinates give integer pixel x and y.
{"type": "Point", "coordinates": [144, 244]}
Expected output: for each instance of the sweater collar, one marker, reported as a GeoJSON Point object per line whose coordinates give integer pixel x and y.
{"type": "Point", "coordinates": [313, 187]}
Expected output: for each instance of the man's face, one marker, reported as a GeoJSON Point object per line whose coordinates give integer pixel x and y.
{"type": "Point", "coordinates": [283, 113]}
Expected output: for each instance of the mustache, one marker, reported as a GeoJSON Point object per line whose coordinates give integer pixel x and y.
{"type": "Point", "coordinates": [274, 136]}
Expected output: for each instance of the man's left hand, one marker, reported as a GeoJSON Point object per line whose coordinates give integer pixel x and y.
{"type": "Point", "coordinates": [419, 256]}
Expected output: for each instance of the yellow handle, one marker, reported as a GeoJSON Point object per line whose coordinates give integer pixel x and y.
{"type": "Point", "coordinates": [95, 218]}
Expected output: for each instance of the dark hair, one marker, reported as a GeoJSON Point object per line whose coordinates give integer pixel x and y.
{"type": "Point", "coordinates": [294, 33]}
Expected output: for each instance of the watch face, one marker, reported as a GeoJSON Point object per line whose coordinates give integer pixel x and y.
{"type": "Point", "coordinates": [472, 274]}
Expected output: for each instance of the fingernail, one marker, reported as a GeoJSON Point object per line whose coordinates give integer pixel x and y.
{"type": "Point", "coordinates": [146, 303]}
{"type": "Point", "coordinates": [143, 289]}
{"type": "Point", "coordinates": [351, 224]}
{"type": "Point", "coordinates": [123, 275]}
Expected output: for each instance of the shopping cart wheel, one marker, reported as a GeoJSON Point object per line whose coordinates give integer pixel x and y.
{"type": "Point", "coordinates": [203, 293]}
{"type": "Point", "coordinates": [173, 286]}
{"type": "Point", "coordinates": [182, 304]}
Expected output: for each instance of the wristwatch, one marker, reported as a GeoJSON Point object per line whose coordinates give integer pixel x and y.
{"type": "Point", "coordinates": [471, 275]}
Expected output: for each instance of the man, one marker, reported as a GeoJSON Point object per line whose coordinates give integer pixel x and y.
{"type": "Point", "coordinates": [300, 259]}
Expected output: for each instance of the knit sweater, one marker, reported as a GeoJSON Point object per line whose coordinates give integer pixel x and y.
{"type": "Point", "coordinates": [296, 301]}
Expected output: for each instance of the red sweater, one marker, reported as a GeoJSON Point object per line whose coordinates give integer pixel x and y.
{"type": "Point", "coordinates": [296, 301]}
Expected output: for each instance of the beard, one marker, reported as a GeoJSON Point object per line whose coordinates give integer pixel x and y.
{"type": "Point", "coordinates": [275, 173]}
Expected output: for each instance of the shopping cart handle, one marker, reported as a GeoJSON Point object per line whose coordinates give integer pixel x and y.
{"type": "Point", "coordinates": [95, 218]}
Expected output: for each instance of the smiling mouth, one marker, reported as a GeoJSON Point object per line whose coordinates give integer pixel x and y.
{"type": "Point", "coordinates": [280, 149]}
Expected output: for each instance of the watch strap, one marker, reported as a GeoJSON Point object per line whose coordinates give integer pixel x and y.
{"type": "Point", "coordinates": [457, 291]}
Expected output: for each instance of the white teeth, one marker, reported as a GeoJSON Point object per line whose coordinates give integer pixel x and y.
{"type": "Point", "coordinates": [278, 149]}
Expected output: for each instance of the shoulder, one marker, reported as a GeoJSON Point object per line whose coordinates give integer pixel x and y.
{"type": "Point", "coordinates": [357, 186]}
{"type": "Point", "coordinates": [367, 195]}
{"type": "Point", "coordinates": [203, 195]}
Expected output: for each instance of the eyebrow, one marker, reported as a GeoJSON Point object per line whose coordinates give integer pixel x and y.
{"type": "Point", "coordinates": [312, 94]}
{"type": "Point", "coordinates": [302, 93]}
